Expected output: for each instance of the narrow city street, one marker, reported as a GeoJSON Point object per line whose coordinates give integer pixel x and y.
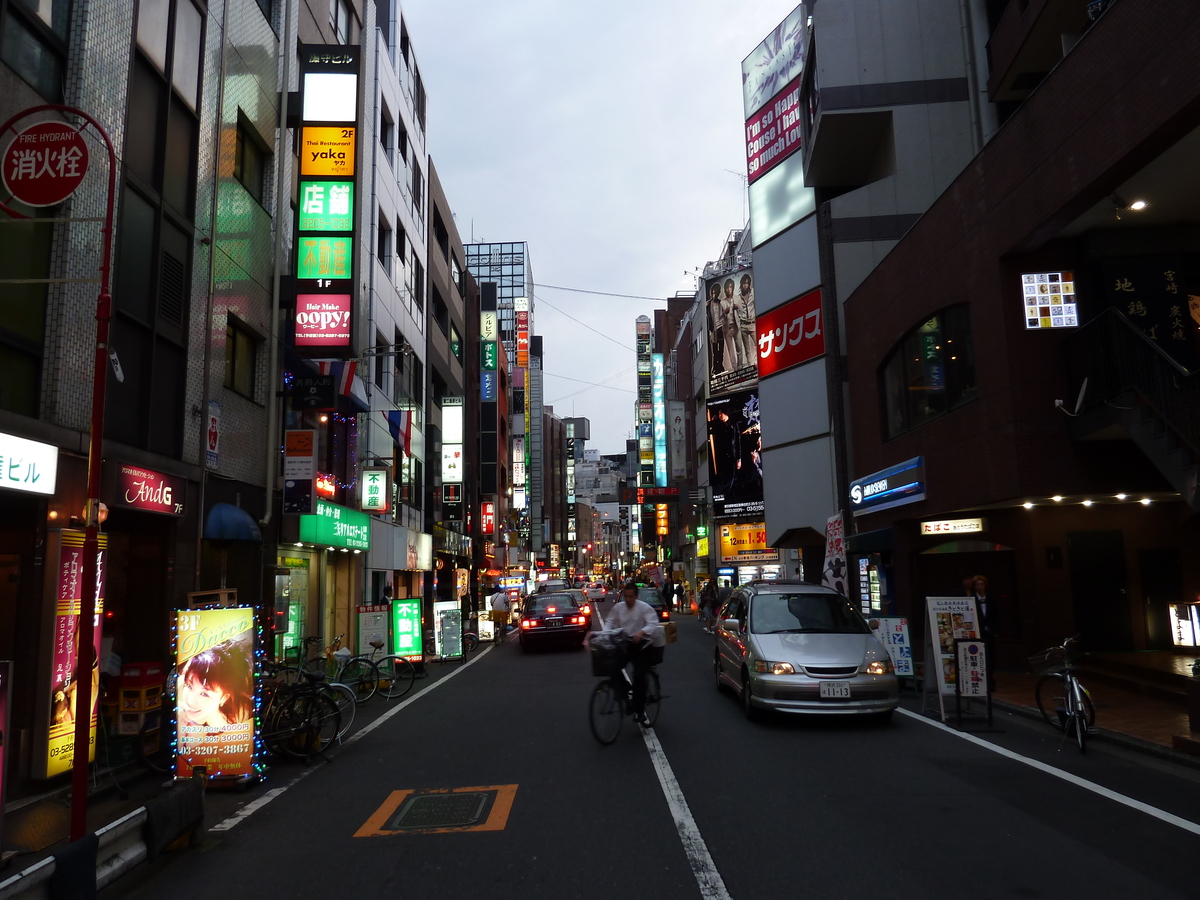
{"type": "Point", "coordinates": [791, 807]}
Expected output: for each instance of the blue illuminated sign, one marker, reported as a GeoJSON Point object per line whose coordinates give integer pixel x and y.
{"type": "Point", "coordinates": [487, 385]}
{"type": "Point", "coordinates": [901, 484]}
{"type": "Point", "coordinates": [660, 419]}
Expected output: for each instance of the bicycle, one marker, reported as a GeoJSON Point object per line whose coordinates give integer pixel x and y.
{"type": "Point", "coordinates": [394, 674]}
{"type": "Point", "coordinates": [1062, 700]}
{"type": "Point", "coordinates": [344, 697]}
{"type": "Point", "coordinates": [299, 720]}
{"type": "Point", "coordinates": [611, 700]}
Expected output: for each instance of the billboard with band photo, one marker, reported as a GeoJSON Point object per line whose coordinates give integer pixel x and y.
{"type": "Point", "coordinates": [735, 455]}
{"type": "Point", "coordinates": [214, 691]}
{"type": "Point", "coordinates": [732, 339]}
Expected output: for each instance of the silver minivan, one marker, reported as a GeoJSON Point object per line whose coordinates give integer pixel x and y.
{"type": "Point", "coordinates": [801, 648]}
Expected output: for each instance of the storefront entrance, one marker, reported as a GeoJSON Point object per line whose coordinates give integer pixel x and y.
{"type": "Point", "coordinates": [1098, 589]}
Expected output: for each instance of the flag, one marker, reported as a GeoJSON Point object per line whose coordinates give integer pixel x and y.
{"type": "Point", "coordinates": [834, 575]}
{"type": "Point", "coordinates": [342, 372]}
{"type": "Point", "coordinates": [400, 425]}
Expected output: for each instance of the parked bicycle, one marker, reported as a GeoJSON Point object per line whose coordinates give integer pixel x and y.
{"type": "Point", "coordinates": [1061, 699]}
{"type": "Point", "coordinates": [394, 674]}
{"type": "Point", "coordinates": [611, 701]}
{"type": "Point", "coordinates": [299, 720]}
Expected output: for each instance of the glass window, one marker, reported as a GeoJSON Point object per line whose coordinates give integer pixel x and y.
{"type": "Point", "coordinates": [32, 56]}
{"type": "Point", "coordinates": [241, 359]}
{"type": "Point", "coordinates": [805, 614]}
{"type": "Point", "coordinates": [185, 72]}
{"type": "Point", "coordinates": [153, 19]}
{"type": "Point", "coordinates": [249, 162]}
{"type": "Point", "coordinates": [930, 372]}
{"type": "Point", "coordinates": [456, 343]}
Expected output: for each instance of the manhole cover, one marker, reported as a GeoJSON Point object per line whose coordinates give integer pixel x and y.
{"type": "Point", "coordinates": [456, 810]}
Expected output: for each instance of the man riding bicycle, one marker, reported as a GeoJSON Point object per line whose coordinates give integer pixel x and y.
{"type": "Point", "coordinates": [637, 623]}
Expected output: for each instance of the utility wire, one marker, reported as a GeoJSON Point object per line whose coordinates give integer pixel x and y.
{"type": "Point", "coordinates": [595, 384]}
{"type": "Point", "coordinates": [584, 324]}
{"type": "Point", "coordinates": [591, 387]}
{"type": "Point", "coordinates": [559, 287]}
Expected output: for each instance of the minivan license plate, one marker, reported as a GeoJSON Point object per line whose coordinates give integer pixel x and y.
{"type": "Point", "coordinates": [835, 690]}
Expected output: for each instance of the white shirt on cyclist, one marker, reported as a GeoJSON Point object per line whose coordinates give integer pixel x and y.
{"type": "Point", "coordinates": [629, 620]}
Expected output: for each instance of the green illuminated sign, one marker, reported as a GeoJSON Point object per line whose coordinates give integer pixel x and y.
{"type": "Point", "coordinates": [487, 355]}
{"type": "Point", "coordinates": [323, 257]}
{"type": "Point", "coordinates": [337, 526]}
{"type": "Point", "coordinates": [406, 627]}
{"type": "Point", "coordinates": [326, 205]}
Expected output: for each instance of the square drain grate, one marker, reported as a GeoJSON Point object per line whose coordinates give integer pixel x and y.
{"type": "Point", "coordinates": [443, 810]}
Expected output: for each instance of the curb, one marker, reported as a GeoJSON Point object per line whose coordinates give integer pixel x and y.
{"type": "Point", "coordinates": [1128, 741]}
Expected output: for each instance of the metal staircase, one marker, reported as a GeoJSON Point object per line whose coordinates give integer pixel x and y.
{"type": "Point", "coordinates": [1135, 390]}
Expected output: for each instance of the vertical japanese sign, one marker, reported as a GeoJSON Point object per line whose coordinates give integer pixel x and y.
{"type": "Point", "coordinates": [299, 470]}
{"type": "Point", "coordinates": [658, 392]}
{"type": "Point", "coordinates": [972, 668]}
{"type": "Point", "coordinates": [327, 217]}
{"type": "Point", "coordinates": [372, 626]}
{"type": "Point", "coordinates": [406, 629]}
{"type": "Point", "coordinates": [212, 439]}
{"type": "Point", "coordinates": [214, 691]}
{"type": "Point", "coordinates": [834, 575]}
{"type": "Point", "coordinates": [521, 311]}
{"type": "Point", "coordinates": [375, 485]}
{"type": "Point", "coordinates": [893, 634]}
{"type": "Point", "coordinates": [65, 656]}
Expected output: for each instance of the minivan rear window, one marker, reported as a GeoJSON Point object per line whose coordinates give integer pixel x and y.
{"type": "Point", "coordinates": [805, 614]}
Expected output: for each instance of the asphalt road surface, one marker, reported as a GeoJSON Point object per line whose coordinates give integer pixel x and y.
{"type": "Point", "coordinates": [706, 805]}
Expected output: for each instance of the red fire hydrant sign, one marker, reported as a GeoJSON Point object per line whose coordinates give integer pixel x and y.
{"type": "Point", "coordinates": [44, 164]}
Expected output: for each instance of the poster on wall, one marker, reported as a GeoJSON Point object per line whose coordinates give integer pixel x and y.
{"type": "Point", "coordinates": [732, 338]}
{"type": "Point", "coordinates": [64, 655]}
{"type": "Point", "coordinates": [735, 455]}
{"type": "Point", "coordinates": [214, 691]}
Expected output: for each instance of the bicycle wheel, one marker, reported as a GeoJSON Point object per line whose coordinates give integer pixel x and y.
{"type": "Point", "coordinates": [362, 675]}
{"type": "Point", "coordinates": [1051, 696]}
{"type": "Point", "coordinates": [319, 728]}
{"type": "Point", "coordinates": [470, 641]}
{"type": "Point", "coordinates": [1080, 726]}
{"type": "Point", "coordinates": [605, 713]}
{"type": "Point", "coordinates": [343, 697]}
{"type": "Point", "coordinates": [287, 675]}
{"type": "Point", "coordinates": [396, 676]}
{"type": "Point", "coordinates": [653, 697]}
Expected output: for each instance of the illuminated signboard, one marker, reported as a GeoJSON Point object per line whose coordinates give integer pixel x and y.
{"type": "Point", "coordinates": [487, 385]}
{"type": "Point", "coordinates": [319, 256]}
{"type": "Point", "coordinates": [489, 326]}
{"type": "Point", "coordinates": [326, 205]}
{"type": "Point", "coordinates": [336, 526]}
{"type": "Point", "coordinates": [149, 490]}
{"type": "Point", "coordinates": [452, 463]}
{"type": "Point", "coordinates": [745, 542]}
{"type": "Point", "coordinates": [406, 629]}
{"type": "Point", "coordinates": [327, 151]}
{"type": "Point", "coordinates": [64, 652]}
{"type": "Point", "coordinates": [487, 355]}
{"type": "Point", "coordinates": [487, 517]}
{"type": "Point", "coordinates": [323, 320]}
{"type": "Point", "coordinates": [1049, 300]}
{"type": "Point", "coordinates": [27, 466]}
{"type": "Point", "coordinates": [895, 486]}
{"type": "Point", "coordinates": [214, 691]}
{"type": "Point", "coordinates": [330, 96]}
{"type": "Point", "coordinates": [953, 526]}
{"type": "Point", "coordinates": [376, 489]}
{"type": "Point", "coordinates": [660, 420]}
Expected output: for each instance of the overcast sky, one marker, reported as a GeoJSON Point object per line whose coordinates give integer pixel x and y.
{"type": "Point", "coordinates": [601, 134]}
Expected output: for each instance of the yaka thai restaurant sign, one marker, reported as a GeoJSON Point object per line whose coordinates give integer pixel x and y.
{"type": "Point", "coordinates": [149, 490]}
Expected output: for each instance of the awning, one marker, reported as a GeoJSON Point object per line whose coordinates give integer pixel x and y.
{"type": "Point", "coordinates": [226, 522]}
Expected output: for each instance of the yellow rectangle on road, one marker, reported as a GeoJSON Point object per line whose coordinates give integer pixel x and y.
{"type": "Point", "coordinates": [497, 817]}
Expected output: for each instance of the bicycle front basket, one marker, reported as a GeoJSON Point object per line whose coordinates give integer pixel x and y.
{"type": "Point", "coordinates": [1051, 659]}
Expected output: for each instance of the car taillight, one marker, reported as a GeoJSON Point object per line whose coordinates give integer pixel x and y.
{"type": "Point", "coordinates": [587, 610]}
{"type": "Point", "coordinates": [526, 623]}
{"type": "Point", "coordinates": [551, 609]}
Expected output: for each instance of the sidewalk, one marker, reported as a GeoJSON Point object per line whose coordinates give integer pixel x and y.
{"type": "Point", "coordinates": [1131, 713]}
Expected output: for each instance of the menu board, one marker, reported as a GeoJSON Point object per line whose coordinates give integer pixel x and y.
{"type": "Point", "coordinates": [950, 619]}
{"type": "Point", "coordinates": [447, 628]}
{"type": "Point", "coordinates": [214, 691]}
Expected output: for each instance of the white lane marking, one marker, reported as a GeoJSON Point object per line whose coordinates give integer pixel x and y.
{"type": "Point", "coordinates": [1138, 805]}
{"type": "Point", "coordinates": [712, 887]}
{"type": "Point", "coordinates": [251, 808]}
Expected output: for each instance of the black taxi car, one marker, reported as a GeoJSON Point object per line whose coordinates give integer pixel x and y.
{"type": "Point", "coordinates": [553, 618]}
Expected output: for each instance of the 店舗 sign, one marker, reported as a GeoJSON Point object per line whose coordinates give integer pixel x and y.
{"type": "Point", "coordinates": [336, 526]}
{"type": "Point", "coordinates": [895, 486]}
{"type": "Point", "coordinates": [44, 164]}
{"type": "Point", "coordinates": [790, 334]}
{"type": "Point", "coordinates": [27, 466]}
{"type": "Point", "coordinates": [150, 491]}
{"type": "Point", "coordinates": [326, 220]}
{"type": "Point", "coordinates": [953, 526]}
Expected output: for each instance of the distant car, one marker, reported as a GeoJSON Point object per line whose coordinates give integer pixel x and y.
{"type": "Point", "coordinates": [652, 597]}
{"type": "Point", "coordinates": [553, 618]}
{"type": "Point", "coordinates": [595, 591]}
{"type": "Point", "coordinates": [552, 584]}
{"type": "Point", "coordinates": [799, 648]}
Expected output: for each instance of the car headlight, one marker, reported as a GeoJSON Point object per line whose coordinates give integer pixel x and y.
{"type": "Point", "coordinates": [879, 667]}
{"type": "Point", "coordinates": [774, 668]}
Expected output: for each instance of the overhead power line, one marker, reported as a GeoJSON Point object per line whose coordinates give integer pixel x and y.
{"type": "Point", "coordinates": [591, 387]}
{"type": "Point", "coordinates": [584, 324]}
{"type": "Point", "coordinates": [559, 287]}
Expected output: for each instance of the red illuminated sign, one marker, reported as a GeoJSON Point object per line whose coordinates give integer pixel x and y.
{"type": "Point", "coordinates": [150, 490]}
{"type": "Point", "coordinates": [44, 164]}
{"type": "Point", "coordinates": [326, 486]}
{"type": "Point", "coordinates": [487, 517]}
{"type": "Point", "coordinates": [790, 335]}
{"type": "Point", "coordinates": [773, 133]}
{"type": "Point", "coordinates": [322, 320]}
